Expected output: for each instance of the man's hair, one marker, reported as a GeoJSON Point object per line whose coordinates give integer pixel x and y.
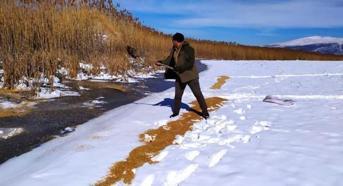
{"type": "Point", "coordinates": [178, 37]}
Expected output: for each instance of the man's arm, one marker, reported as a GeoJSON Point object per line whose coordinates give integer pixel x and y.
{"type": "Point", "coordinates": [189, 60]}
{"type": "Point", "coordinates": [167, 60]}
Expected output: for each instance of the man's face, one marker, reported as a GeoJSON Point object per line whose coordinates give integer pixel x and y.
{"type": "Point", "coordinates": [176, 44]}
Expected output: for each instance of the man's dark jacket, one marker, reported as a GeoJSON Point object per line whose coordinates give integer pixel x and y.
{"type": "Point", "coordinates": [184, 64]}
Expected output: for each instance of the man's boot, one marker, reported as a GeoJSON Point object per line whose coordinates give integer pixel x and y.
{"type": "Point", "coordinates": [205, 115]}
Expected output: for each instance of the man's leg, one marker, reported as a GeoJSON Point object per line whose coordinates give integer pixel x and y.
{"type": "Point", "coordinates": [179, 89]}
{"type": "Point", "coordinates": [195, 87]}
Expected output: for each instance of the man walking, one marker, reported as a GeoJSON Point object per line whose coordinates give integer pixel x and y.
{"type": "Point", "coordinates": [181, 60]}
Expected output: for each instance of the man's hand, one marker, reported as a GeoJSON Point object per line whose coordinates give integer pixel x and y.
{"type": "Point", "coordinates": [158, 63]}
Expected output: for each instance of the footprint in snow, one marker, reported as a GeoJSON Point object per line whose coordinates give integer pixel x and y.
{"type": "Point", "coordinates": [174, 178]}
{"type": "Point", "coordinates": [215, 158]}
{"type": "Point", "coordinates": [239, 111]}
{"type": "Point", "coordinates": [249, 106]}
{"type": "Point", "coordinates": [192, 155]}
{"type": "Point", "coordinates": [160, 156]}
{"type": "Point", "coordinates": [260, 126]}
{"type": "Point", "coordinates": [148, 181]}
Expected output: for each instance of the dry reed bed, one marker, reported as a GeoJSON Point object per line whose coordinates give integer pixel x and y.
{"type": "Point", "coordinates": [39, 37]}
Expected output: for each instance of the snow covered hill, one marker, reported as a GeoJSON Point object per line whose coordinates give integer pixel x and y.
{"type": "Point", "coordinates": [293, 139]}
{"type": "Point", "coordinates": [311, 40]}
{"type": "Point", "coordinates": [325, 45]}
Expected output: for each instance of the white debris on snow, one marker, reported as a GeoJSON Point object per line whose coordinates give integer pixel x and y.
{"type": "Point", "coordinates": [6, 104]}
{"type": "Point", "coordinates": [148, 138]}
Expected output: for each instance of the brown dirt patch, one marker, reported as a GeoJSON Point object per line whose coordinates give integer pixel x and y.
{"type": "Point", "coordinates": [220, 82]}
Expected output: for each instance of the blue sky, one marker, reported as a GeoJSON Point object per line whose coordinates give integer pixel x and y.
{"type": "Point", "coordinates": [252, 22]}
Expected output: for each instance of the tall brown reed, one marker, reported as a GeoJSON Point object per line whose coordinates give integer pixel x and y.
{"type": "Point", "coordinates": [38, 37]}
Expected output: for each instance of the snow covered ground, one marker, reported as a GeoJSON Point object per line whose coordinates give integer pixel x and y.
{"type": "Point", "coordinates": [132, 76]}
{"type": "Point", "coordinates": [61, 90]}
{"type": "Point", "coordinates": [245, 142]}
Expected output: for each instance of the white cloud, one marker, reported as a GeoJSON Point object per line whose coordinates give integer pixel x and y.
{"type": "Point", "coordinates": [239, 13]}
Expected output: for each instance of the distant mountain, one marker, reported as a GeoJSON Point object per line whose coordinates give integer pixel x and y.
{"type": "Point", "coordinates": [324, 45]}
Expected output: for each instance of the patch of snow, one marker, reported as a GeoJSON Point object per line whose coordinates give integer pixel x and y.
{"type": "Point", "coordinates": [94, 103]}
{"type": "Point", "coordinates": [85, 66]}
{"type": "Point", "coordinates": [83, 88]}
{"type": "Point", "coordinates": [67, 130]}
{"type": "Point", "coordinates": [4, 104]}
{"type": "Point", "coordinates": [63, 71]}
{"type": "Point", "coordinates": [46, 93]}
{"type": "Point", "coordinates": [6, 133]}
{"type": "Point", "coordinates": [7, 104]}
{"type": "Point", "coordinates": [148, 138]}
{"type": "Point", "coordinates": [161, 123]}
{"type": "Point", "coordinates": [132, 76]}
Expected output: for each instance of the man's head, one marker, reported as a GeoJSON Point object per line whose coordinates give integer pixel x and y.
{"type": "Point", "coordinates": [178, 39]}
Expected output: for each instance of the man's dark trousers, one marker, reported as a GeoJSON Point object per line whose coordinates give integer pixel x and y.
{"type": "Point", "coordinates": [195, 87]}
